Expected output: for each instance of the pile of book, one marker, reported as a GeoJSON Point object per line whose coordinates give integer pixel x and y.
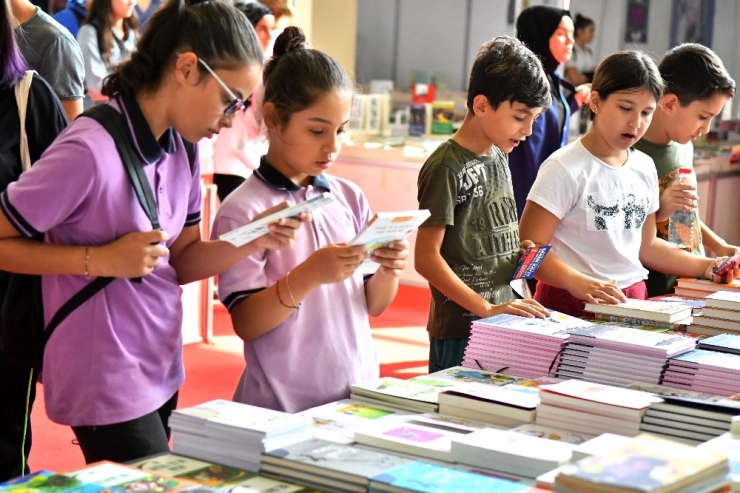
{"type": "Point", "coordinates": [675, 315]}
{"type": "Point", "coordinates": [592, 408]}
{"type": "Point", "coordinates": [721, 314]}
{"type": "Point", "coordinates": [689, 419]}
{"type": "Point", "coordinates": [617, 355]}
{"type": "Point", "coordinates": [701, 288]}
{"type": "Point", "coordinates": [407, 395]}
{"type": "Point", "coordinates": [728, 445]}
{"type": "Point", "coordinates": [700, 370]}
{"type": "Point", "coordinates": [520, 346]}
{"type": "Point", "coordinates": [234, 434]}
{"type": "Point", "coordinates": [647, 463]}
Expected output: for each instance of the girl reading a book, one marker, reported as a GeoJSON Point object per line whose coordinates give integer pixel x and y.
{"type": "Point", "coordinates": [594, 200]}
{"type": "Point", "coordinates": [303, 313]}
{"type": "Point", "coordinates": [113, 368]}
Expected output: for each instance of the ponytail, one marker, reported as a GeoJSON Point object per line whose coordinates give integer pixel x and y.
{"type": "Point", "coordinates": [296, 77]}
{"type": "Point", "coordinates": [218, 33]}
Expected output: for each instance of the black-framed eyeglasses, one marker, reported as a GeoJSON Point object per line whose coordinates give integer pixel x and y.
{"type": "Point", "coordinates": [236, 104]}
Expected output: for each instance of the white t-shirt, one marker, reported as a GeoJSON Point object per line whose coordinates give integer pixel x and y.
{"type": "Point", "coordinates": [601, 210]}
{"type": "Point", "coordinates": [582, 60]}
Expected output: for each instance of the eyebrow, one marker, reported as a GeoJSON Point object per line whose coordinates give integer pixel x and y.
{"type": "Point", "coordinates": [526, 111]}
{"type": "Point", "coordinates": [323, 120]}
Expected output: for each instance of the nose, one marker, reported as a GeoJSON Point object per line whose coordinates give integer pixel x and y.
{"type": "Point", "coordinates": [333, 144]}
{"type": "Point", "coordinates": [227, 121]}
{"type": "Point", "coordinates": [527, 128]}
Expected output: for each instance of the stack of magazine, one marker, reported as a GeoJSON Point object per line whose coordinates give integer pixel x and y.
{"type": "Point", "coordinates": [234, 434]}
{"type": "Point", "coordinates": [704, 371]}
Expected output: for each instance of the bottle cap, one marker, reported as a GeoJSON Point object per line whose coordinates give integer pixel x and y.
{"type": "Point", "coordinates": [684, 171]}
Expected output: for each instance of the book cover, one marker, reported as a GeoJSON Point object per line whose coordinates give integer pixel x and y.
{"type": "Point", "coordinates": [529, 262]}
{"type": "Point", "coordinates": [50, 482]}
{"type": "Point", "coordinates": [726, 300]}
{"type": "Point", "coordinates": [126, 478]}
{"type": "Point", "coordinates": [260, 227]}
{"type": "Point", "coordinates": [385, 387]}
{"type": "Point", "coordinates": [460, 374]}
{"type": "Point", "coordinates": [550, 433]}
{"type": "Point", "coordinates": [633, 340]}
{"type": "Point", "coordinates": [710, 359]}
{"type": "Point", "coordinates": [647, 463]}
{"type": "Point", "coordinates": [204, 473]}
{"type": "Point", "coordinates": [443, 116]}
{"type": "Point", "coordinates": [661, 311]}
{"type": "Point", "coordinates": [410, 438]}
{"type": "Point", "coordinates": [420, 119]}
{"type": "Point", "coordinates": [706, 286]}
{"type": "Point", "coordinates": [590, 396]}
{"type": "Point", "coordinates": [423, 477]}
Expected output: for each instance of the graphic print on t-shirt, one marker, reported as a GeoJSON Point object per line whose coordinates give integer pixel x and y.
{"type": "Point", "coordinates": [615, 210]}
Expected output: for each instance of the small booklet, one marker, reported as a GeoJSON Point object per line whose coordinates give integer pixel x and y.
{"type": "Point", "coordinates": [725, 266]}
{"type": "Point", "coordinates": [384, 228]}
{"type": "Point", "coordinates": [528, 264]}
{"type": "Point", "coordinates": [261, 227]}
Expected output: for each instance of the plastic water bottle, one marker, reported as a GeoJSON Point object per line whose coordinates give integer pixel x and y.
{"type": "Point", "coordinates": [681, 223]}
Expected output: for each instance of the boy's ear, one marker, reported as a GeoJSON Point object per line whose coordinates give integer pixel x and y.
{"type": "Point", "coordinates": [480, 104]}
{"type": "Point", "coordinates": [669, 102]}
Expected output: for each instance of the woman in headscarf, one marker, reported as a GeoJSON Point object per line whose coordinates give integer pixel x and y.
{"type": "Point", "coordinates": [548, 32]}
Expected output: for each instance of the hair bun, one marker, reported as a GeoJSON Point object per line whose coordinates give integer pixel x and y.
{"type": "Point", "coordinates": [292, 38]}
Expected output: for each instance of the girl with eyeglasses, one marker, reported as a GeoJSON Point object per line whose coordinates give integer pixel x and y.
{"type": "Point", "coordinates": [195, 65]}
{"type": "Point", "coordinates": [303, 312]}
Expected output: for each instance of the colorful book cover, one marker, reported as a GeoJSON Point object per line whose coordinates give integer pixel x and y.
{"type": "Point", "coordinates": [396, 387]}
{"type": "Point", "coordinates": [205, 473]}
{"type": "Point", "coordinates": [714, 359]}
{"type": "Point", "coordinates": [602, 394]}
{"type": "Point", "coordinates": [458, 374]}
{"type": "Point", "coordinates": [529, 262]}
{"type": "Point", "coordinates": [51, 482]}
{"type": "Point", "coordinates": [628, 338]}
{"type": "Point", "coordinates": [557, 325]}
{"type": "Point", "coordinates": [420, 115]}
{"type": "Point", "coordinates": [423, 477]}
{"type": "Point", "coordinates": [443, 116]}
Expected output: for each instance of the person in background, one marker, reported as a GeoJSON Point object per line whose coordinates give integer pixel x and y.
{"type": "Point", "coordinates": [595, 200]}
{"type": "Point", "coordinates": [72, 16]}
{"type": "Point", "coordinates": [308, 305]}
{"type": "Point", "coordinates": [45, 119]}
{"type": "Point", "coordinates": [697, 87]}
{"type": "Point", "coordinates": [469, 246]}
{"type": "Point", "coordinates": [51, 50]}
{"type": "Point", "coordinates": [580, 68]}
{"type": "Point", "coordinates": [144, 10]}
{"type": "Point", "coordinates": [191, 72]}
{"type": "Point", "coordinates": [107, 38]}
{"type": "Point", "coordinates": [237, 150]}
{"type": "Point", "coordinates": [285, 14]}
{"type": "Point", "coordinates": [548, 32]}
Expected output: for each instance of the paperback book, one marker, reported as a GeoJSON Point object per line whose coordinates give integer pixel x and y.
{"type": "Point", "coordinates": [660, 311]}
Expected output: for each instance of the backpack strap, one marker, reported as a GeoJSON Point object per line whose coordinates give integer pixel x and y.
{"type": "Point", "coordinates": [74, 303]}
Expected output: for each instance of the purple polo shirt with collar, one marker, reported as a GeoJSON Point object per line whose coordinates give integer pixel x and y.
{"type": "Point", "coordinates": [118, 356]}
{"type": "Point", "coordinates": [320, 350]}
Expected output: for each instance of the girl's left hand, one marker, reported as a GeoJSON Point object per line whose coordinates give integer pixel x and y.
{"type": "Point", "coordinates": [583, 93]}
{"type": "Point", "coordinates": [392, 258]}
{"type": "Point", "coordinates": [732, 273]}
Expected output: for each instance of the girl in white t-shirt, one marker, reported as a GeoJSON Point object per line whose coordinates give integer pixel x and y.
{"type": "Point", "coordinates": [595, 200]}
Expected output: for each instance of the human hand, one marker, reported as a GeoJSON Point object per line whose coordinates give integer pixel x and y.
{"type": "Point", "coordinates": [334, 263]}
{"type": "Point", "coordinates": [132, 255]}
{"type": "Point", "coordinates": [727, 250]}
{"type": "Point", "coordinates": [679, 197]}
{"type": "Point", "coordinates": [583, 94]}
{"type": "Point", "coordinates": [283, 233]}
{"type": "Point", "coordinates": [592, 290]}
{"type": "Point", "coordinates": [392, 258]}
{"type": "Point", "coordinates": [729, 273]}
{"type": "Point", "coordinates": [524, 308]}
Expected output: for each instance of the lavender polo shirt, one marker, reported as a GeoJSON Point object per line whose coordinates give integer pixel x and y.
{"type": "Point", "coordinates": [320, 350]}
{"type": "Point", "coordinates": [118, 356]}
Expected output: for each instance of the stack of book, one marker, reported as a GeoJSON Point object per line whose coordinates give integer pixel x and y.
{"type": "Point", "coordinates": [728, 445]}
{"type": "Point", "coordinates": [331, 465]}
{"type": "Point", "coordinates": [704, 371]}
{"type": "Point", "coordinates": [592, 408]}
{"type": "Point", "coordinates": [701, 288]}
{"type": "Point", "coordinates": [520, 346]}
{"type": "Point", "coordinates": [337, 421]}
{"type": "Point", "coordinates": [505, 406]}
{"type": "Point", "coordinates": [234, 434]}
{"type": "Point", "coordinates": [689, 419]}
{"type": "Point", "coordinates": [671, 315]}
{"type": "Point", "coordinates": [118, 477]}
{"type": "Point", "coordinates": [513, 453]}
{"type": "Point", "coordinates": [647, 464]}
{"type": "Point", "coordinates": [722, 343]}
{"type": "Point", "coordinates": [402, 394]}
{"type": "Point", "coordinates": [617, 355]}
{"type": "Point", "coordinates": [721, 314]}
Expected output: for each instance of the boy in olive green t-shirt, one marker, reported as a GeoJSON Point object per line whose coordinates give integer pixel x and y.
{"type": "Point", "coordinates": [469, 246]}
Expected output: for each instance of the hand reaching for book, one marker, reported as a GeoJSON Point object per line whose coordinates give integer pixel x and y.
{"type": "Point", "coordinates": [524, 308]}
{"type": "Point", "coordinates": [392, 258]}
{"type": "Point", "coordinates": [723, 270]}
{"type": "Point", "coordinates": [592, 290]}
{"type": "Point", "coordinates": [334, 263]}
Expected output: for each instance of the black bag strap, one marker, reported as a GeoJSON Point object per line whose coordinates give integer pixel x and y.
{"type": "Point", "coordinates": [74, 303]}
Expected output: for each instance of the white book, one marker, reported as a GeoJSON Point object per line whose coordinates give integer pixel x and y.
{"type": "Point", "coordinates": [550, 433]}
{"type": "Point", "coordinates": [410, 438]}
{"type": "Point", "coordinates": [660, 311]}
{"type": "Point", "coordinates": [598, 399]}
{"type": "Point", "coordinates": [494, 400]}
{"type": "Point", "coordinates": [599, 445]}
{"type": "Point", "coordinates": [260, 227]}
{"type": "Point", "coordinates": [492, 419]}
{"type": "Point", "coordinates": [725, 300]}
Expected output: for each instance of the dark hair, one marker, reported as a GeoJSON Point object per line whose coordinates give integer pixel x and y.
{"type": "Point", "coordinates": [296, 77]}
{"type": "Point", "coordinates": [254, 11]}
{"type": "Point", "coordinates": [218, 34]}
{"type": "Point", "coordinates": [535, 26]}
{"type": "Point", "coordinates": [506, 70]}
{"type": "Point", "coordinates": [100, 16]}
{"type": "Point", "coordinates": [581, 22]}
{"type": "Point", "coordinates": [694, 72]}
{"type": "Point", "coordinates": [12, 65]}
{"type": "Point", "coordinates": [625, 71]}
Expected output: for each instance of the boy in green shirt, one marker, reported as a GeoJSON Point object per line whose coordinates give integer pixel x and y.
{"type": "Point", "coordinates": [697, 86]}
{"type": "Point", "coordinates": [469, 246]}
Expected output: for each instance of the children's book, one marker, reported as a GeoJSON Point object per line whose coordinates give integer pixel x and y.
{"type": "Point", "coordinates": [443, 116]}
{"type": "Point", "coordinates": [50, 482]}
{"type": "Point", "coordinates": [127, 478]}
{"type": "Point", "coordinates": [420, 119]}
{"type": "Point", "coordinates": [599, 399]}
{"type": "Point", "coordinates": [260, 227]}
{"type": "Point", "coordinates": [384, 228]}
{"type": "Point", "coordinates": [403, 394]}
{"type": "Point", "coordinates": [660, 311]}
{"type": "Point", "coordinates": [725, 300]}
{"type": "Point", "coordinates": [628, 339]}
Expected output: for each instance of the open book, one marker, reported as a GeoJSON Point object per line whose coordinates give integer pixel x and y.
{"type": "Point", "coordinates": [260, 227]}
{"type": "Point", "coordinates": [384, 228]}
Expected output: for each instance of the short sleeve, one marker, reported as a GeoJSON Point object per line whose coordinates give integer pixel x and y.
{"type": "Point", "coordinates": [554, 189]}
{"type": "Point", "coordinates": [195, 199]}
{"type": "Point", "coordinates": [45, 117]}
{"type": "Point", "coordinates": [95, 68]}
{"type": "Point", "coordinates": [63, 68]}
{"type": "Point", "coordinates": [437, 192]}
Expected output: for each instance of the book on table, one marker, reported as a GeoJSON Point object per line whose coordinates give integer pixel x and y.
{"type": "Point", "coordinates": [403, 394]}
{"type": "Point", "coordinates": [599, 445]}
{"type": "Point", "coordinates": [126, 478]}
{"type": "Point", "coordinates": [728, 445]}
{"type": "Point", "coordinates": [585, 422]}
{"type": "Point", "coordinates": [646, 464]}
{"type": "Point", "coordinates": [660, 311]}
{"type": "Point", "coordinates": [705, 287]}
{"type": "Point", "coordinates": [44, 481]}
{"type": "Point", "coordinates": [492, 400]}
{"type": "Point", "coordinates": [551, 433]}
{"type": "Point", "coordinates": [717, 323]}
{"type": "Point", "coordinates": [599, 399]}
{"type": "Point", "coordinates": [632, 341]}
{"type": "Point", "coordinates": [723, 343]}
{"type": "Point", "coordinates": [724, 300]}
{"type": "Point", "coordinates": [720, 313]}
